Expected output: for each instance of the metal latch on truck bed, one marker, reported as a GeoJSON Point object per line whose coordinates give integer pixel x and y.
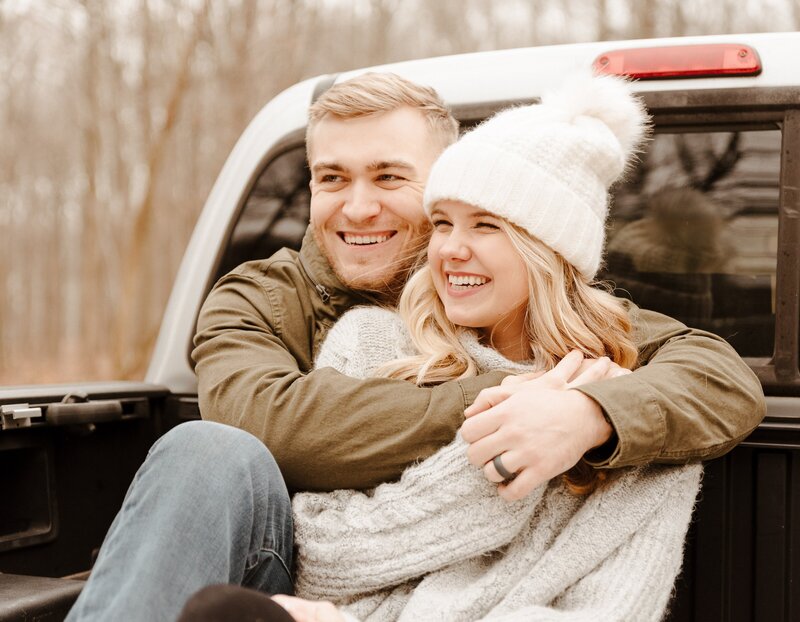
{"type": "Point", "coordinates": [78, 409]}
{"type": "Point", "coordinates": [74, 410]}
{"type": "Point", "coordinates": [18, 415]}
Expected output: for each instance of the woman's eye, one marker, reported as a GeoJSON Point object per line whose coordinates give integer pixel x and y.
{"type": "Point", "coordinates": [440, 224]}
{"type": "Point", "coordinates": [487, 226]}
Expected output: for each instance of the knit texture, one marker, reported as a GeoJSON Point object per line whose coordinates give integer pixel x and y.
{"type": "Point", "coordinates": [547, 168]}
{"type": "Point", "coordinates": [440, 544]}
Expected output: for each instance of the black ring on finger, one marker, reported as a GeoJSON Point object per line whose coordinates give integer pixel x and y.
{"type": "Point", "coordinates": [502, 470]}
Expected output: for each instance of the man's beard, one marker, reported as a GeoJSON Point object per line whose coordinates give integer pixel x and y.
{"type": "Point", "coordinates": [388, 286]}
{"type": "Point", "coordinates": [384, 282]}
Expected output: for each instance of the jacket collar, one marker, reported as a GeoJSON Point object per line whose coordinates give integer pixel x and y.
{"type": "Point", "coordinates": [331, 291]}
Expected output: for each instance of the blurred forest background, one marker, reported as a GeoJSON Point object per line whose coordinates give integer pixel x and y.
{"type": "Point", "coordinates": [116, 116]}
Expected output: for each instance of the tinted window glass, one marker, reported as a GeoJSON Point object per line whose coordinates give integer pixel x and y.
{"type": "Point", "coordinates": [693, 233]}
{"type": "Point", "coordinates": [275, 214]}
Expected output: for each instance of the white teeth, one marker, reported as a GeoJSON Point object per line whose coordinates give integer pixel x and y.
{"type": "Point", "coordinates": [466, 280]}
{"type": "Point", "coordinates": [364, 239]}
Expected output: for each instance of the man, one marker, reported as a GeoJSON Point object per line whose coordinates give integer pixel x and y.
{"type": "Point", "coordinates": [210, 506]}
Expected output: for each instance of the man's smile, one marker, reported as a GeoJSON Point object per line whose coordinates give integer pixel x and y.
{"type": "Point", "coordinates": [366, 238]}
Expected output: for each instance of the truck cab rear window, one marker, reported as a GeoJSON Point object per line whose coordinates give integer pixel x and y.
{"type": "Point", "coordinates": [693, 234]}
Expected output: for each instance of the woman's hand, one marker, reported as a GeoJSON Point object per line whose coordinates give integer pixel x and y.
{"type": "Point", "coordinates": [309, 610]}
{"type": "Point", "coordinates": [538, 427]}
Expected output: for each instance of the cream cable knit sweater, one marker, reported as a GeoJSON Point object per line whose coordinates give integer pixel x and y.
{"type": "Point", "coordinates": [440, 544]}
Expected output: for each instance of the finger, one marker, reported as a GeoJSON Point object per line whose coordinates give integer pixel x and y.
{"type": "Point", "coordinates": [585, 365]}
{"type": "Point", "coordinates": [566, 367]}
{"type": "Point", "coordinates": [487, 399]}
{"type": "Point", "coordinates": [522, 485]}
{"type": "Point", "coordinates": [299, 609]}
{"type": "Point", "coordinates": [596, 372]}
{"type": "Point", "coordinates": [518, 378]}
{"type": "Point", "coordinates": [509, 460]}
{"type": "Point", "coordinates": [327, 612]}
{"type": "Point", "coordinates": [618, 371]}
{"type": "Point", "coordinates": [480, 425]}
{"type": "Point", "coordinates": [484, 449]}
{"type": "Point", "coordinates": [308, 610]}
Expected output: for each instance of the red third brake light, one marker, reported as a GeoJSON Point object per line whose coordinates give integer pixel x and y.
{"type": "Point", "coordinates": [680, 61]}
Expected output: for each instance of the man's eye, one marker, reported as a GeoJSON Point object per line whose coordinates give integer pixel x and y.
{"type": "Point", "coordinates": [389, 178]}
{"type": "Point", "coordinates": [330, 179]}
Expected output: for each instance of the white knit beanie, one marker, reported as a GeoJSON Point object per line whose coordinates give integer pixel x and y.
{"type": "Point", "coordinates": [547, 167]}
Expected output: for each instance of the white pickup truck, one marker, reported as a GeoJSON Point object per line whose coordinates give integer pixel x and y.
{"type": "Point", "coordinates": [707, 230]}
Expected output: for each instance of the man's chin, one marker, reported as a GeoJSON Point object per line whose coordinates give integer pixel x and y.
{"type": "Point", "coordinates": [383, 283]}
{"type": "Point", "coordinates": [372, 281]}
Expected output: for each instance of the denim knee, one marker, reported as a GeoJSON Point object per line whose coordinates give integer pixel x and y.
{"type": "Point", "coordinates": [207, 451]}
{"type": "Point", "coordinates": [214, 442]}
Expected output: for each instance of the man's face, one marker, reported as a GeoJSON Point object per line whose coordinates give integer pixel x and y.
{"type": "Point", "coordinates": [367, 179]}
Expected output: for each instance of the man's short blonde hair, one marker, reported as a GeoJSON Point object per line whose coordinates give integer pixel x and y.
{"type": "Point", "coordinates": [374, 93]}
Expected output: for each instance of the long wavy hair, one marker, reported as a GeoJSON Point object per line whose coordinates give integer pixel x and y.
{"type": "Point", "coordinates": [565, 312]}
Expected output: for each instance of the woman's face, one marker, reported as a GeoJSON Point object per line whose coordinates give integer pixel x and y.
{"type": "Point", "coordinates": [479, 276]}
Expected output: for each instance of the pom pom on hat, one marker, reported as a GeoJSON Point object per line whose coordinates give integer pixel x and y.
{"type": "Point", "coordinates": [607, 99]}
{"type": "Point", "coordinates": [548, 167]}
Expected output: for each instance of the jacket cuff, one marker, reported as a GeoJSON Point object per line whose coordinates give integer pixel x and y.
{"type": "Point", "coordinates": [470, 387]}
{"type": "Point", "coordinates": [638, 422]}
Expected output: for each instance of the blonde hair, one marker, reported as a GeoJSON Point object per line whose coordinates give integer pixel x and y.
{"type": "Point", "coordinates": [374, 93]}
{"type": "Point", "coordinates": [565, 312]}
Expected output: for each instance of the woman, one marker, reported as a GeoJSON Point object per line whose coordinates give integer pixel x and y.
{"type": "Point", "coordinates": [518, 208]}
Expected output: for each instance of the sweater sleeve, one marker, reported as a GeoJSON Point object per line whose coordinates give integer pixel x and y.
{"type": "Point", "coordinates": [635, 582]}
{"type": "Point", "coordinates": [441, 511]}
{"type": "Point", "coordinates": [692, 398]}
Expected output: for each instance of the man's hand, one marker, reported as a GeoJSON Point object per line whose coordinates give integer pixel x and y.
{"type": "Point", "coordinates": [538, 427]}
{"type": "Point", "coordinates": [309, 610]}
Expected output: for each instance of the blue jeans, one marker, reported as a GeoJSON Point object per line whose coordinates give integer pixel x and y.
{"type": "Point", "coordinates": [208, 506]}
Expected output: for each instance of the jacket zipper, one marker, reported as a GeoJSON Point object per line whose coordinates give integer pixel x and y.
{"type": "Point", "coordinates": [323, 293]}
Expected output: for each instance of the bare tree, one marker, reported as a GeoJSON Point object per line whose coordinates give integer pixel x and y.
{"type": "Point", "coordinates": [131, 335]}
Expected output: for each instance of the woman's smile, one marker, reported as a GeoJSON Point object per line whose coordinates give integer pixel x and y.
{"type": "Point", "coordinates": [465, 284]}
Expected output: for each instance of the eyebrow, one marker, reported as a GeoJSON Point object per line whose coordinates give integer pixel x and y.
{"type": "Point", "coordinates": [327, 166]}
{"type": "Point", "coordinates": [383, 164]}
{"type": "Point", "coordinates": [378, 165]}
{"type": "Point", "coordinates": [478, 213]}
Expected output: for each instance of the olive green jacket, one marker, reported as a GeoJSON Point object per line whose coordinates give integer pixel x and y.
{"type": "Point", "coordinates": [262, 324]}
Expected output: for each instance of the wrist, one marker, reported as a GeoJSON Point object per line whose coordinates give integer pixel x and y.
{"type": "Point", "coordinates": [599, 430]}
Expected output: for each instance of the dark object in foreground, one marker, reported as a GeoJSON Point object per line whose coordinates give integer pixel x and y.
{"type": "Point", "coordinates": [222, 603]}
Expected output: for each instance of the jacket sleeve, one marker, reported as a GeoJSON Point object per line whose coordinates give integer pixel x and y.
{"type": "Point", "coordinates": [441, 511]}
{"type": "Point", "coordinates": [326, 430]}
{"type": "Point", "coordinates": [692, 398]}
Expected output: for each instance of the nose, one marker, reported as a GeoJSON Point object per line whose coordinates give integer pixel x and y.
{"type": "Point", "coordinates": [362, 204]}
{"type": "Point", "coordinates": [454, 247]}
